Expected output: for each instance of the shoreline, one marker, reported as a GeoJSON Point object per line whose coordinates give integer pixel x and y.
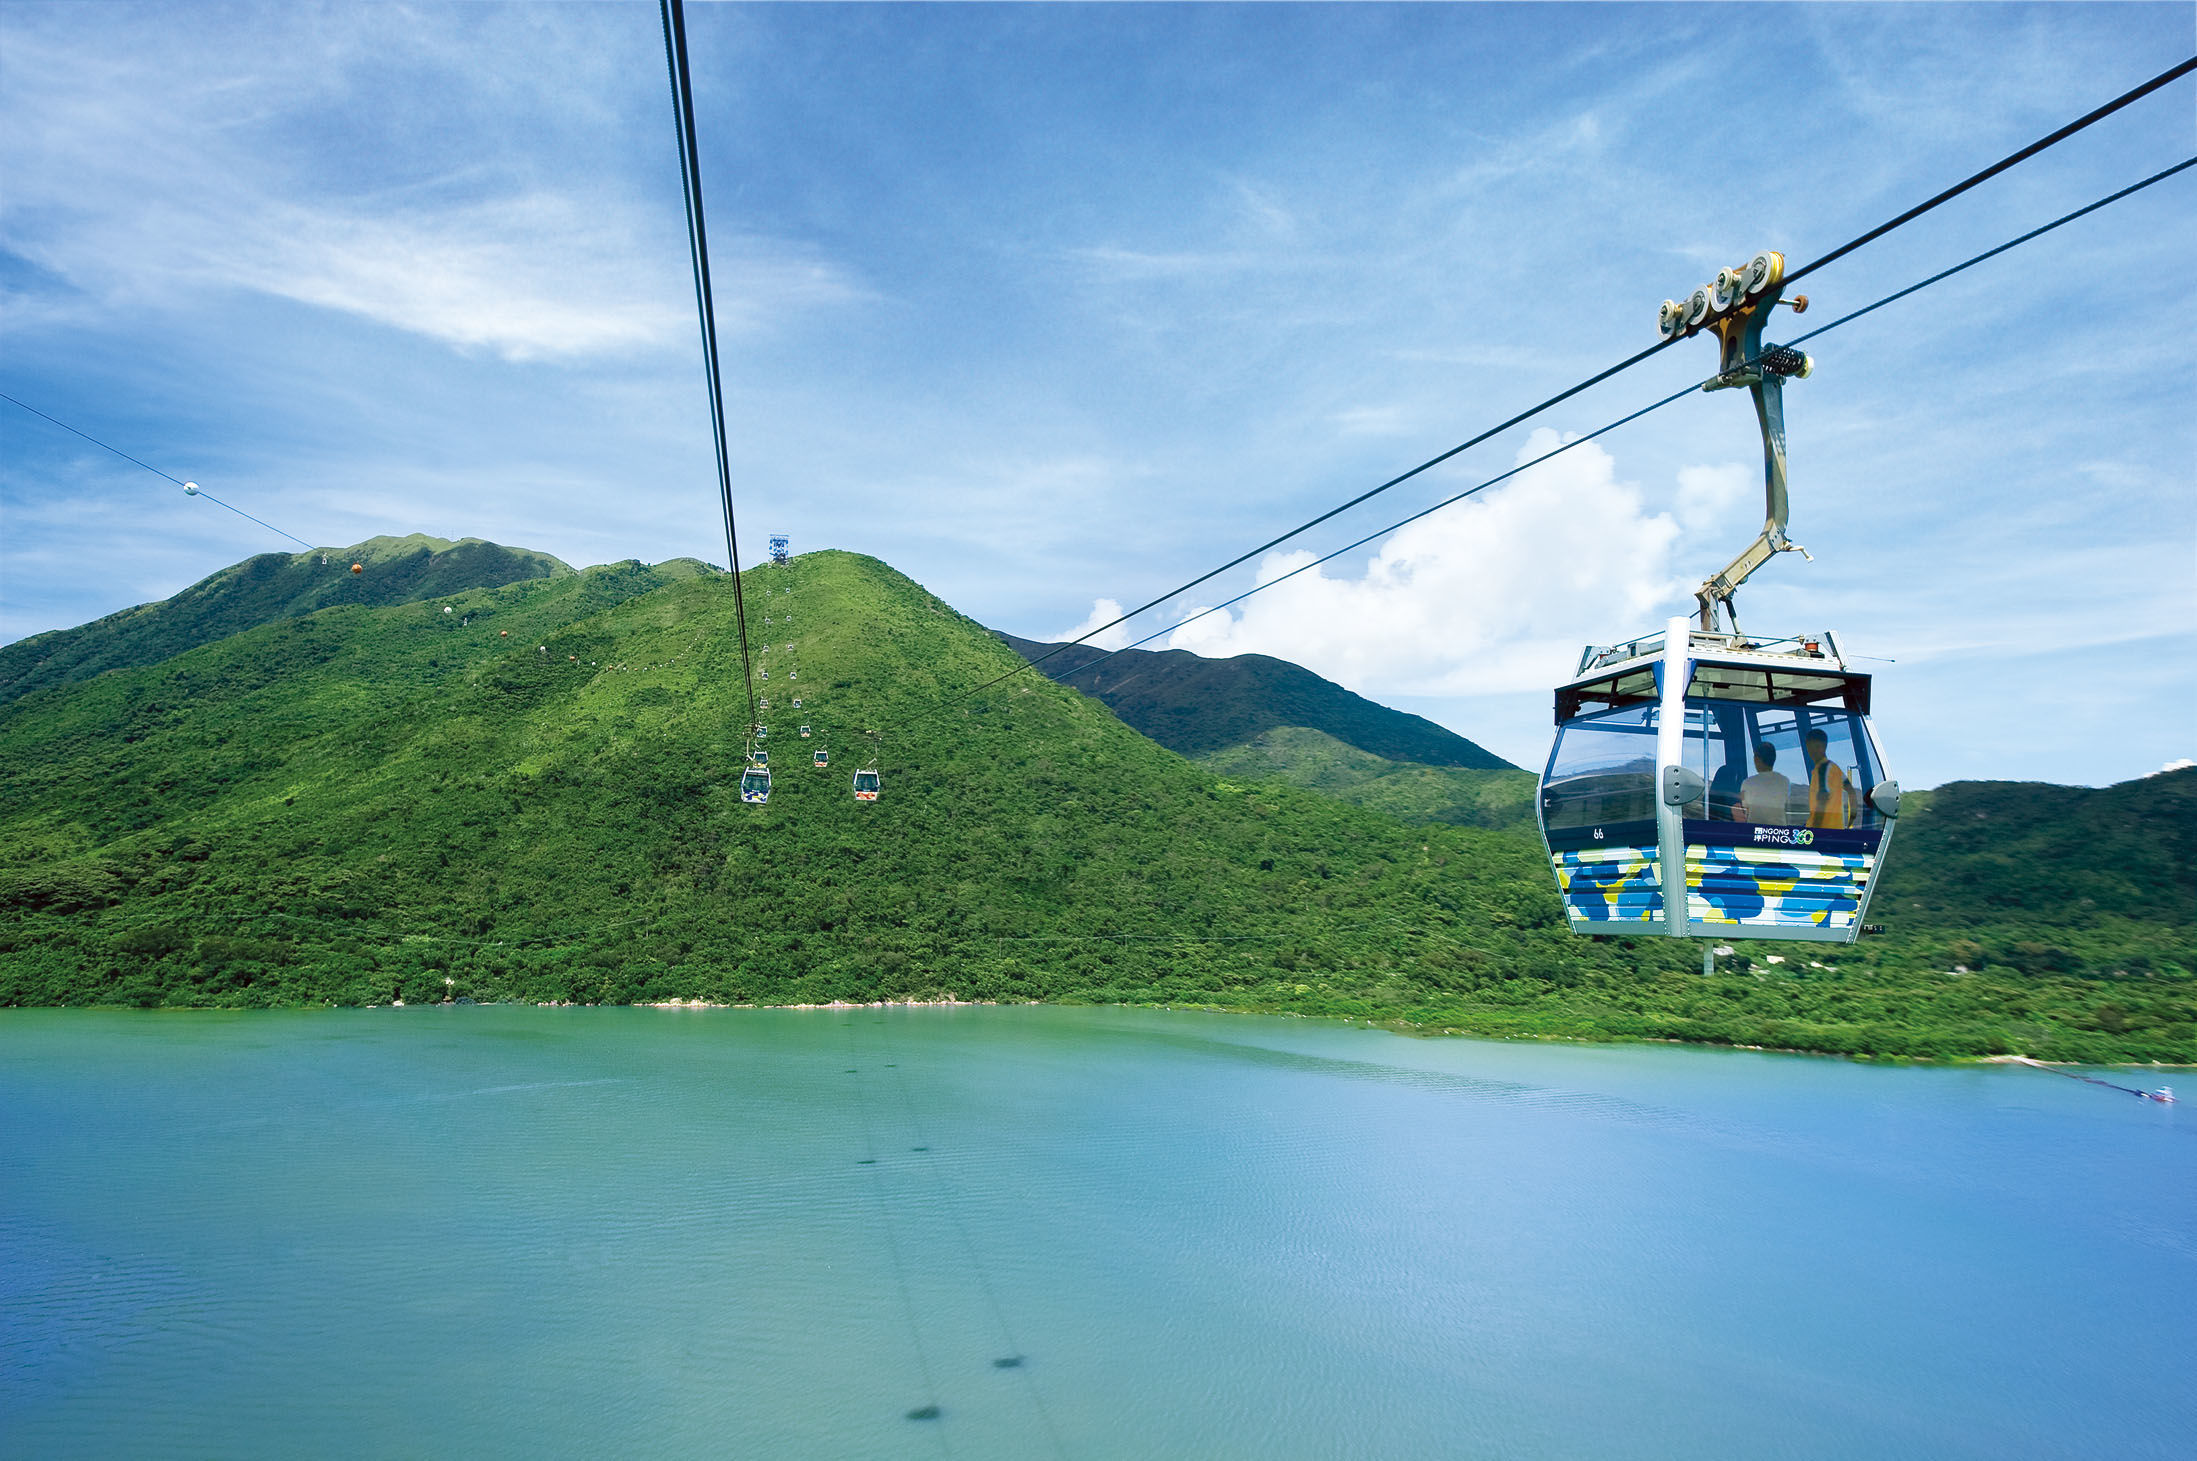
{"type": "Point", "coordinates": [1393, 1026]}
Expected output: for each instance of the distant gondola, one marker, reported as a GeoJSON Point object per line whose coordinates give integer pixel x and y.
{"type": "Point", "coordinates": [866, 786]}
{"type": "Point", "coordinates": [755, 784]}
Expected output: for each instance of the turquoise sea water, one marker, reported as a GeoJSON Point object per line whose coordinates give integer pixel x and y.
{"type": "Point", "coordinates": [750, 1233]}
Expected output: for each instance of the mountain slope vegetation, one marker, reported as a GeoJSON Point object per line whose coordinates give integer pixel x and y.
{"type": "Point", "coordinates": [534, 798]}
{"type": "Point", "coordinates": [1197, 706]}
{"type": "Point", "coordinates": [2032, 878]}
{"type": "Point", "coordinates": [261, 590]}
{"type": "Point", "coordinates": [1405, 790]}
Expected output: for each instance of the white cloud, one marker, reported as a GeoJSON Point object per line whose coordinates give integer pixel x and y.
{"type": "Point", "coordinates": [2181, 764]}
{"type": "Point", "coordinates": [1495, 594]}
{"type": "Point", "coordinates": [1707, 496]}
{"type": "Point", "coordinates": [145, 173]}
{"type": "Point", "coordinates": [1103, 611]}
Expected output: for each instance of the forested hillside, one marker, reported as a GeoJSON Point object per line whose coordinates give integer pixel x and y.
{"type": "Point", "coordinates": [1197, 706]}
{"type": "Point", "coordinates": [1409, 791]}
{"type": "Point", "coordinates": [260, 590]}
{"type": "Point", "coordinates": [2030, 878]}
{"type": "Point", "coordinates": [533, 797]}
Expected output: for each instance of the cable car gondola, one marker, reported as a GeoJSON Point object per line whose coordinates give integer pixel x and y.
{"type": "Point", "coordinates": [759, 758]}
{"type": "Point", "coordinates": [866, 786]}
{"type": "Point", "coordinates": [804, 733]}
{"type": "Point", "coordinates": [823, 759]}
{"type": "Point", "coordinates": [1704, 783]}
{"type": "Point", "coordinates": [755, 784]}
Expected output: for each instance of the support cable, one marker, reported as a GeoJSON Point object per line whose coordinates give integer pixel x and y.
{"type": "Point", "coordinates": [2066, 218]}
{"type": "Point", "coordinates": [2127, 98]}
{"type": "Point", "coordinates": [2172, 73]}
{"type": "Point", "coordinates": [690, 177]}
{"type": "Point", "coordinates": [191, 487]}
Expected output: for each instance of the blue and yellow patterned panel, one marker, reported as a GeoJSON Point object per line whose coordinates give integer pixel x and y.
{"type": "Point", "coordinates": [1609, 884]}
{"type": "Point", "coordinates": [1776, 887]}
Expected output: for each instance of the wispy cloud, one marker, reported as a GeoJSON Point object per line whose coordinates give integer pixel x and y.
{"type": "Point", "coordinates": [139, 191]}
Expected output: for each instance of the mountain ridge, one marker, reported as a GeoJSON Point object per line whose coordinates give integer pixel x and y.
{"type": "Point", "coordinates": [1195, 706]}
{"type": "Point", "coordinates": [262, 588]}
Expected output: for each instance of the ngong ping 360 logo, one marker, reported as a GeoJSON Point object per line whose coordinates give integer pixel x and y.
{"type": "Point", "coordinates": [1786, 836]}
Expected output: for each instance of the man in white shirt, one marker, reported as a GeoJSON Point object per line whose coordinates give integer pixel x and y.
{"type": "Point", "coordinates": [1762, 795]}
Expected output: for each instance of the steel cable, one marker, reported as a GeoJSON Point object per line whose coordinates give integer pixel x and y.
{"type": "Point", "coordinates": [191, 487]}
{"type": "Point", "coordinates": [2012, 159]}
{"type": "Point", "coordinates": [690, 177]}
{"type": "Point", "coordinates": [1939, 277]}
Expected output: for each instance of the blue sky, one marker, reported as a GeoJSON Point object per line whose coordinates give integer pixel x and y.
{"type": "Point", "coordinates": [1050, 305]}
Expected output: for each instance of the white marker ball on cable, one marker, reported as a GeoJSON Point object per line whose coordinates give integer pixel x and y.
{"type": "Point", "coordinates": [190, 489]}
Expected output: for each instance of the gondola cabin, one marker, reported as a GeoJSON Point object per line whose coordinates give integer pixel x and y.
{"type": "Point", "coordinates": [804, 733]}
{"type": "Point", "coordinates": [755, 784]}
{"type": "Point", "coordinates": [823, 759]}
{"type": "Point", "coordinates": [866, 786]}
{"type": "Point", "coordinates": [1745, 775]}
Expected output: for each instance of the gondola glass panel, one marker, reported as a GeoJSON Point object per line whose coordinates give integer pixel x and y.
{"type": "Point", "coordinates": [1598, 811]}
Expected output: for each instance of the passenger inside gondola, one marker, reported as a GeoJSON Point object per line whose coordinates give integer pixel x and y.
{"type": "Point", "coordinates": [1763, 796]}
{"type": "Point", "coordinates": [1827, 786]}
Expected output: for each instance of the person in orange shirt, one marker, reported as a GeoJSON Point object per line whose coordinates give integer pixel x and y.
{"type": "Point", "coordinates": [1826, 782]}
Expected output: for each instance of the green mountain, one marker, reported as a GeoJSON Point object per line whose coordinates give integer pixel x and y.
{"type": "Point", "coordinates": [2030, 878]}
{"type": "Point", "coordinates": [1198, 706]}
{"type": "Point", "coordinates": [260, 590]}
{"type": "Point", "coordinates": [534, 797]}
{"type": "Point", "coordinates": [1405, 790]}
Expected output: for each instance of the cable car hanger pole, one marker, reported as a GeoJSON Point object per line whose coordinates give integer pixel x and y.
{"type": "Point", "coordinates": [1736, 306]}
{"type": "Point", "coordinates": [690, 176]}
{"type": "Point", "coordinates": [1626, 420]}
{"type": "Point", "coordinates": [2127, 98]}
